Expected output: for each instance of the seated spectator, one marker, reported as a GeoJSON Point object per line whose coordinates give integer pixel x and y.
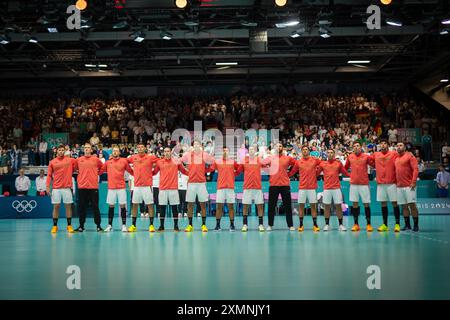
{"type": "Point", "coordinates": [4, 162]}
{"type": "Point", "coordinates": [94, 140]}
{"type": "Point", "coordinates": [22, 183]}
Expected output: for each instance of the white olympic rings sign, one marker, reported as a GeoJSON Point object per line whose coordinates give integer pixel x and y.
{"type": "Point", "coordinates": [24, 205]}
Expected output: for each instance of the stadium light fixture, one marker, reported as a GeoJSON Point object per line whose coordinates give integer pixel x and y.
{"type": "Point", "coordinates": [443, 32]}
{"type": "Point", "coordinates": [394, 22]}
{"type": "Point", "coordinates": [288, 23]}
{"type": "Point", "coordinates": [181, 4]}
{"type": "Point", "coordinates": [33, 40]}
{"type": "Point", "coordinates": [166, 35]}
{"type": "Point", "coordinates": [297, 33]}
{"type": "Point", "coordinates": [246, 23]}
{"type": "Point", "coordinates": [280, 3]}
{"type": "Point", "coordinates": [81, 4]}
{"type": "Point", "coordinates": [358, 61]}
{"type": "Point", "coordinates": [52, 29]}
{"type": "Point", "coordinates": [445, 21]}
{"type": "Point", "coordinates": [138, 36]}
{"type": "Point", "coordinates": [5, 39]}
{"type": "Point", "coordinates": [226, 63]}
{"type": "Point", "coordinates": [444, 80]}
{"type": "Point", "coordinates": [120, 25]}
{"type": "Point", "coordinates": [324, 32]}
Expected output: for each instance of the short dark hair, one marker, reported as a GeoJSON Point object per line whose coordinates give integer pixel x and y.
{"type": "Point", "coordinates": [61, 146]}
{"type": "Point", "coordinates": [383, 140]}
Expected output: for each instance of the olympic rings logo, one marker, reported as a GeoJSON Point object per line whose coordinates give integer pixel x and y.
{"type": "Point", "coordinates": [24, 205]}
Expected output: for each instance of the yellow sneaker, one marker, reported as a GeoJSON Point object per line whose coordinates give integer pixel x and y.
{"type": "Point", "coordinates": [369, 228]}
{"type": "Point", "coordinates": [355, 228]}
{"type": "Point", "coordinates": [383, 228]}
{"type": "Point", "coordinates": [54, 229]}
{"type": "Point", "coordinates": [70, 229]}
{"type": "Point", "coordinates": [397, 228]}
{"type": "Point", "coordinates": [301, 229]}
{"type": "Point", "coordinates": [316, 229]}
{"type": "Point", "coordinates": [189, 228]}
{"type": "Point", "coordinates": [204, 228]}
{"type": "Point", "coordinates": [132, 228]}
{"type": "Point", "coordinates": [151, 228]}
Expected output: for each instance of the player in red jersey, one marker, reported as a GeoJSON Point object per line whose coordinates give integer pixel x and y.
{"type": "Point", "coordinates": [386, 184]}
{"type": "Point", "coordinates": [115, 168]}
{"type": "Point", "coordinates": [60, 172]}
{"type": "Point", "coordinates": [359, 183]}
{"type": "Point", "coordinates": [251, 167]}
{"type": "Point", "coordinates": [307, 167]}
{"type": "Point", "coordinates": [332, 193]}
{"type": "Point", "coordinates": [197, 162]}
{"type": "Point", "coordinates": [89, 167]}
{"type": "Point", "coordinates": [143, 180]}
{"type": "Point", "coordinates": [406, 172]}
{"type": "Point", "coordinates": [227, 169]}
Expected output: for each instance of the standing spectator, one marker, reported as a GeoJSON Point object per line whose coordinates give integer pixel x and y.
{"type": "Point", "coordinates": [22, 183]}
{"type": "Point", "coordinates": [32, 148]}
{"type": "Point", "coordinates": [17, 134]}
{"type": "Point", "coordinates": [4, 160]}
{"type": "Point", "coordinates": [94, 141]}
{"type": "Point", "coordinates": [43, 160]}
{"type": "Point", "coordinates": [40, 184]}
{"type": "Point", "coordinates": [124, 133]}
{"type": "Point", "coordinates": [392, 134]}
{"type": "Point", "coordinates": [422, 168]}
{"type": "Point", "coordinates": [426, 147]}
{"type": "Point", "coordinates": [442, 180]}
{"type": "Point", "coordinates": [16, 158]}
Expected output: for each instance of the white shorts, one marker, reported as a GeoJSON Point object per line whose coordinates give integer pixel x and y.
{"type": "Point", "coordinates": [332, 196]}
{"type": "Point", "coordinates": [196, 189]}
{"type": "Point", "coordinates": [307, 194]}
{"type": "Point", "coordinates": [226, 196]}
{"type": "Point", "coordinates": [387, 192]}
{"type": "Point", "coordinates": [253, 195]}
{"type": "Point", "coordinates": [115, 195]}
{"type": "Point", "coordinates": [142, 194]}
{"type": "Point", "coordinates": [359, 190]}
{"type": "Point", "coordinates": [62, 194]}
{"type": "Point", "coordinates": [405, 195]}
{"type": "Point", "coordinates": [170, 197]}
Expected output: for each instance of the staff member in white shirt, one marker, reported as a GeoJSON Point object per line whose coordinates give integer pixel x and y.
{"type": "Point", "coordinates": [40, 184]}
{"type": "Point", "coordinates": [22, 183]}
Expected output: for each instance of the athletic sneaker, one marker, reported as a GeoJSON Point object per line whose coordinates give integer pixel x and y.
{"type": "Point", "coordinates": [124, 228]}
{"type": "Point", "coordinates": [142, 215]}
{"type": "Point", "coordinates": [356, 227]}
{"type": "Point", "coordinates": [54, 229]}
{"type": "Point", "coordinates": [406, 228]}
{"type": "Point", "coordinates": [189, 228]}
{"type": "Point", "coordinates": [383, 228]}
{"type": "Point", "coordinates": [244, 228]}
{"type": "Point", "coordinates": [416, 228]}
{"type": "Point", "coordinates": [79, 229]}
{"type": "Point", "coordinates": [342, 228]}
{"type": "Point", "coordinates": [161, 229]}
{"type": "Point", "coordinates": [326, 227]}
{"type": "Point", "coordinates": [185, 215]}
{"type": "Point", "coordinates": [301, 229]}
{"type": "Point", "coordinates": [261, 228]}
{"type": "Point", "coordinates": [269, 228]}
{"type": "Point", "coordinates": [132, 228]}
{"type": "Point", "coordinates": [99, 229]}
{"type": "Point", "coordinates": [108, 228]}
{"type": "Point", "coordinates": [147, 215]}
{"type": "Point", "coordinates": [316, 229]}
{"type": "Point", "coordinates": [217, 229]}
{"type": "Point", "coordinates": [70, 229]}
{"type": "Point", "coordinates": [176, 229]}
{"type": "Point", "coordinates": [204, 228]}
{"type": "Point", "coordinates": [180, 215]}
{"type": "Point", "coordinates": [397, 228]}
{"type": "Point", "coordinates": [291, 229]}
{"type": "Point", "coordinates": [369, 228]}
{"type": "Point", "coordinates": [199, 215]}
{"type": "Point", "coordinates": [151, 228]}
{"type": "Point", "coordinates": [232, 229]}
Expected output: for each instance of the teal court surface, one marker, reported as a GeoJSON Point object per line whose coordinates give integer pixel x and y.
{"type": "Point", "coordinates": [225, 265]}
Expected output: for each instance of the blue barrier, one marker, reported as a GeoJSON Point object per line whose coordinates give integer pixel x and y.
{"type": "Point", "coordinates": [27, 208]}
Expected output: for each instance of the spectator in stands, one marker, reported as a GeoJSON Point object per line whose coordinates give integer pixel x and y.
{"type": "Point", "coordinates": [442, 180]}
{"type": "Point", "coordinates": [426, 147]}
{"type": "Point", "coordinates": [22, 183]}
{"type": "Point", "coordinates": [17, 134]}
{"type": "Point", "coordinates": [15, 155]}
{"type": "Point", "coordinates": [4, 161]}
{"type": "Point", "coordinates": [32, 148]}
{"type": "Point", "coordinates": [94, 140]}
{"type": "Point", "coordinates": [392, 135]}
{"type": "Point", "coordinates": [43, 149]}
{"type": "Point", "coordinates": [40, 184]}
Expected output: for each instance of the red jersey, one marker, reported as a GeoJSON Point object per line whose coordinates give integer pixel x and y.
{"type": "Point", "coordinates": [308, 169]}
{"type": "Point", "coordinates": [196, 164]}
{"type": "Point", "coordinates": [168, 179]}
{"type": "Point", "coordinates": [331, 170]}
{"type": "Point", "coordinates": [89, 167]}
{"type": "Point", "coordinates": [226, 171]}
{"type": "Point", "coordinates": [385, 166]}
{"type": "Point", "coordinates": [252, 172]}
{"type": "Point", "coordinates": [358, 164]}
{"type": "Point", "coordinates": [406, 170]}
{"type": "Point", "coordinates": [278, 170]}
{"type": "Point", "coordinates": [142, 168]}
{"type": "Point", "coordinates": [60, 170]}
{"type": "Point", "coordinates": [115, 168]}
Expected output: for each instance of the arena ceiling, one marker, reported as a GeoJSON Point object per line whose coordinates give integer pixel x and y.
{"type": "Point", "coordinates": [208, 32]}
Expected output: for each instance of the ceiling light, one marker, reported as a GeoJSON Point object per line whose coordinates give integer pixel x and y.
{"type": "Point", "coordinates": [103, 66]}
{"type": "Point", "coordinates": [52, 29]}
{"type": "Point", "coordinates": [138, 36]}
{"type": "Point", "coordinates": [89, 65]}
{"type": "Point", "coordinates": [191, 23]}
{"type": "Point", "coordinates": [394, 22]}
{"type": "Point", "coordinates": [33, 40]}
{"type": "Point", "coordinates": [443, 31]}
{"type": "Point", "coordinates": [81, 5]}
{"type": "Point", "coordinates": [324, 32]}
{"type": "Point", "coordinates": [280, 3]}
{"type": "Point", "coordinates": [445, 21]}
{"type": "Point", "coordinates": [358, 61]}
{"type": "Point", "coordinates": [246, 23]}
{"type": "Point", "coordinates": [120, 25]}
{"type": "Point", "coordinates": [226, 63]}
{"type": "Point", "coordinates": [289, 23]}
{"type": "Point", "coordinates": [444, 80]}
{"type": "Point", "coordinates": [181, 3]}
{"type": "Point", "coordinates": [297, 33]}
{"type": "Point", "coordinates": [166, 35]}
{"type": "Point", "coordinates": [5, 39]}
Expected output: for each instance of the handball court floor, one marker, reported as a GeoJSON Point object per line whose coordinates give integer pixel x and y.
{"type": "Point", "coordinates": [225, 265]}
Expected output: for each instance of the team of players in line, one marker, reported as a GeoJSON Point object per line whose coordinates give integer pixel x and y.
{"type": "Point", "coordinates": [396, 175]}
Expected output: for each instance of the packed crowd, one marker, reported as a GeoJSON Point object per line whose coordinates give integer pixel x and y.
{"type": "Point", "coordinates": [320, 121]}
